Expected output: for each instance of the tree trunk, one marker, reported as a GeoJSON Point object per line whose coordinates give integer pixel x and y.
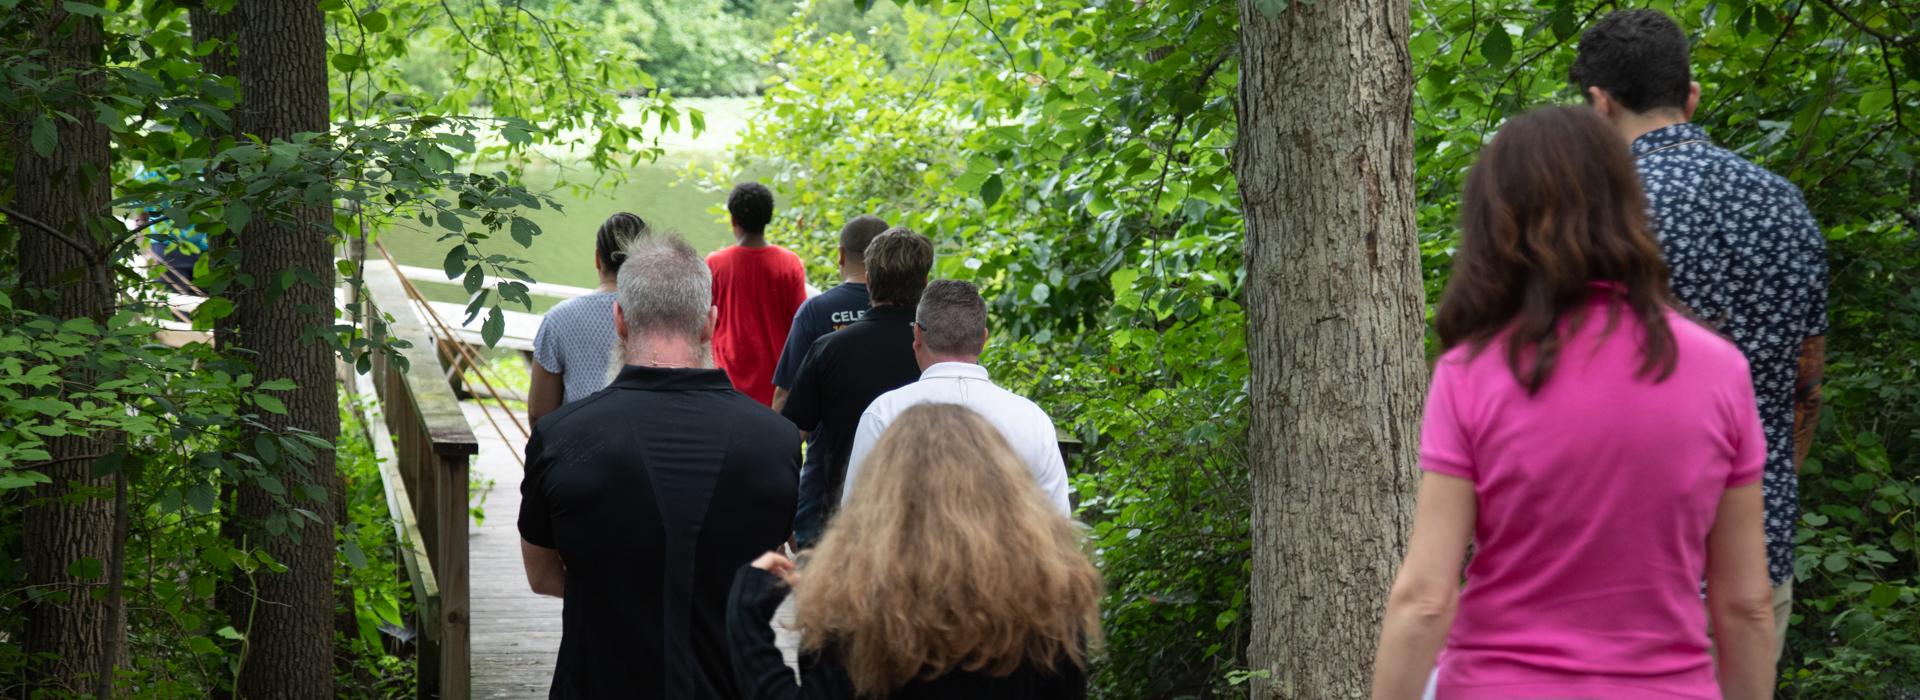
{"type": "Point", "coordinates": [280, 62]}
{"type": "Point", "coordinates": [74, 629]}
{"type": "Point", "coordinates": [1334, 331]}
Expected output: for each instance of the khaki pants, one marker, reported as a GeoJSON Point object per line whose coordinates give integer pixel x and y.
{"type": "Point", "coordinates": [1782, 614]}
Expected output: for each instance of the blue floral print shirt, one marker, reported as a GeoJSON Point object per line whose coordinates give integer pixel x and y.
{"type": "Point", "coordinates": [1748, 258]}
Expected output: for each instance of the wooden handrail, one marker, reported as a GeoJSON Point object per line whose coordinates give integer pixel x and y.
{"type": "Point", "coordinates": [433, 447]}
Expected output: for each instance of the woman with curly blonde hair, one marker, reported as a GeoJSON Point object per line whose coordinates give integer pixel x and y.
{"type": "Point", "coordinates": [945, 575]}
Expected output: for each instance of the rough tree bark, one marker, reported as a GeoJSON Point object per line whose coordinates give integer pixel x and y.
{"type": "Point", "coordinates": [65, 275]}
{"type": "Point", "coordinates": [1334, 331]}
{"type": "Point", "coordinates": [280, 62]}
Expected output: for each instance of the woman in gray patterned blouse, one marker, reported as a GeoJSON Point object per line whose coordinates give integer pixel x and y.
{"type": "Point", "coordinates": [574, 346]}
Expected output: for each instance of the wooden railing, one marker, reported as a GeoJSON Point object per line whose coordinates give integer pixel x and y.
{"type": "Point", "coordinates": [427, 447]}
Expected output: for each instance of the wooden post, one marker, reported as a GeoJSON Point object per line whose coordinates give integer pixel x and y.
{"type": "Point", "coordinates": [456, 671]}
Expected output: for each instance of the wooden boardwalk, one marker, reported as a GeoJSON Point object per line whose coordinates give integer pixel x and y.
{"type": "Point", "coordinates": [516, 634]}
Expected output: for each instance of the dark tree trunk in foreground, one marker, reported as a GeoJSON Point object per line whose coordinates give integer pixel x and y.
{"type": "Point", "coordinates": [280, 62]}
{"type": "Point", "coordinates": [1334, 331]}
{"type": "Point", "coordinates": [64, 275]}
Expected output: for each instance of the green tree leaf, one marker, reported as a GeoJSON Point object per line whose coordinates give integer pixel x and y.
{"type": "Point", "coordinates": [523, 231]}
{"type": "Point", "coordinates": [456, 262]}
{"type": "Point", "coordinates": [44, 137]}
{"type": "Point", "coordinates": [239, 214]}
{"type": "Point", "coordinates": [270, 403]}
{"type": "Point", "coordinates": [991, 189]}
{"type": "Point", "coordinates": [1497, 48]}
{"type": "Point", "coordinates": [1883, 596]}
{"type": "Point", "coordinates": [495, 326]}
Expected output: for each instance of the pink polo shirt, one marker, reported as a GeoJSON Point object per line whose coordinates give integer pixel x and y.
{"type": "Point", "coordinates": [1595, 498]}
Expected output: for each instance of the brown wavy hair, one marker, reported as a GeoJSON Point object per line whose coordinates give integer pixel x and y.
{"type": "Point", "coordinates": [946, 556]}
{"type": "Point", "coordinates": [1552, 206]}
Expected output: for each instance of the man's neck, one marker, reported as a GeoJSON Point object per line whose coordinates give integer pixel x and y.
{"type": "Point", "coordinates": [750, 240]}
{"type": "Point", "coordinates": [1633, 126]}
{"type": "Point", "coordinates": [853, 275]}
{"type": "Point", "coordinates": [670, 353]}
{"type": "Point", "coordinates": [949, 359]}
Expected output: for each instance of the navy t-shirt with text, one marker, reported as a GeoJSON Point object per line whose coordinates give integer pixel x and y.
{"type": "Point", "coordinates": [825, 313]}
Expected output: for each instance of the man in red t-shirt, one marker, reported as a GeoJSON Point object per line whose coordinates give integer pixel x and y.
{"type": "Point", "coordinates": [757, 287]}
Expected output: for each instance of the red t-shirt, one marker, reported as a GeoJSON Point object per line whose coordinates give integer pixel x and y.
{"type": "Point", "coordinates": [757, 291]}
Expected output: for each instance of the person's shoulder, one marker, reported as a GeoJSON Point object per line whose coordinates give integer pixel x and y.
{"type": "Point", "coordinates": [1693, 338]}
{"type": "Point", "coordinates": [1746, 174]}
{"type": "Point", "coordinates": [752, 423]}
{"type": "Point", "coordinates": [571, 415]}
{"type": "Point", "coordinates": [585, 304]}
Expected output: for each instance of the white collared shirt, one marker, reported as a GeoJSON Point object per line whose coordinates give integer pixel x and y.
{"type": "Point", "coordinates": [1022, 422]}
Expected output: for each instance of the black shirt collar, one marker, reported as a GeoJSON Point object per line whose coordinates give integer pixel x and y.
{"type": "Point", "coordinates": [890, 314]}
{"type": "Point", "coordinates": [670, 379]}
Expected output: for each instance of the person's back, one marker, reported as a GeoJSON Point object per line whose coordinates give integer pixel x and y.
{"type": "Point", "coordinates": [831, 310]}
{"type": "Point", "coordinates": [757, 287]}
{"type": "Point", "coordinates": [846, 369]}
{"type": "Point", "coordinates": [1746, 255]}
{"type": "Point", "coordinates": [1595, 499]}
{"type": "Point", "coordinates": [576, 342]}
{"type": "Point", "coordinates": [1598, 450]}
{"type": "Point", "coordinates": [949, 333]}
{"type": "Point", "coordinates": [641, 501]}
{"type": "Point", "coordinates": [947, 575]}
{"type": "Point", "coordinates": [576, 345]}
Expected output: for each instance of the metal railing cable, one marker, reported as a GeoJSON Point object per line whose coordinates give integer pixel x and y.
{"type": "Point", "coordinates": [472, 364]}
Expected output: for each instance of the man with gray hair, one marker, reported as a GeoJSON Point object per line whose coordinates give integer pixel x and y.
{"type": "Point", "coordinates": [949, 333]}
{"type": "Point", "coordinates": [641, 500]}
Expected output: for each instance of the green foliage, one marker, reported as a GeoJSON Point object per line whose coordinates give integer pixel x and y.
{"type": "Point", "coordinates": [393, 157]}
{"type": "Point", "coordinates": [368, 574]}
{"type": "Point", "coordinates": [1075, 160]}
{"type": "Point", "coordinates": [1857, 586]}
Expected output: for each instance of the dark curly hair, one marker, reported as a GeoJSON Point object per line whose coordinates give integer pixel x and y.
{"type": "Point", "coordinates": [1637, 56]}
{"type": "Point", "coordinates": [751, 206]}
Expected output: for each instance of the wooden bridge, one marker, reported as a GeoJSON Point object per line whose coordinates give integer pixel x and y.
{"type": "Point", "coordinates": [483, 633]}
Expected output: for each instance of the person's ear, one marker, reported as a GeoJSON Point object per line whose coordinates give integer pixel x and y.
{"type": "Point", "coordinates": [984, 335]}
{"type": "Point", "coordinates": [841, 259]}
{"type": "Point", "coordinates": [1602, 102]}
{"type": "Point", "coordinates": [620, 323]}
{"type": "Point", "coordinates": [919, 339]}
{"type": "Point", "coordinates": [1693, 99]}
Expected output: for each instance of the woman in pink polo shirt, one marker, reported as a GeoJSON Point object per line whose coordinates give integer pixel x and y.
{"type": "Point", "coordinates": [1599, 448]}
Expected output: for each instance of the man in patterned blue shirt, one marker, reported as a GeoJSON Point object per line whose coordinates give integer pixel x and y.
{"type": "Point", "coordinates": [1745, 253]}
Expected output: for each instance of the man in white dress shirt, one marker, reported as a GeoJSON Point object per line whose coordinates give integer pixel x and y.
{"type": "Point", "coordinates": [949, 331]}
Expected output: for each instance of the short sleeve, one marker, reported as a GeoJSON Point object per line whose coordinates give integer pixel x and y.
{"type": "Point", "coordinates": [1745, 435]}
{"type": "Point", "coordinates": [800, 336]}
{"type": "Point", "coordinates": [546, 343]}
{"type": "Point", "coordinates": [536, 525]}
{"type": "Point", "coordinates": [805, 401]}
{"type": "Point", "coordinates": [1817, 295]}
{"type": "Point", "coordinates": [1444, 448]}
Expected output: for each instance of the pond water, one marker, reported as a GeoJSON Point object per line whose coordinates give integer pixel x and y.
{"type": "Point", "coordinates": [657, 192]}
